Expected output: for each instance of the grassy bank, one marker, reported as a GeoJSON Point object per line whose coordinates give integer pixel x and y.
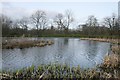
{"type": "Point", "coordinates": [115, 41]}
{"type": "Point", "coordinates": [80, 36]}
{"type": "Point", "coordinates": [49, 72]}
{"type": "Point", "coordinates": [55, 71]}
{"type": "Point", "coordinates": [58, 71]}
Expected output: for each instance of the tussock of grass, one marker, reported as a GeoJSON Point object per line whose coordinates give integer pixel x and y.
{"type": "Point", "coordinates": [111, 61]}
{"type": "Point", "coordinates": [25, 44]}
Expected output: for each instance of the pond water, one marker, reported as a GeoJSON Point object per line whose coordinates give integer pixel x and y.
{"type": "Point", "coordinates": [70, 51]}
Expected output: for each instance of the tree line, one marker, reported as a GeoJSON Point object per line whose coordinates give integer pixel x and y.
{"type": "Point", "coordinates": [38, 24]}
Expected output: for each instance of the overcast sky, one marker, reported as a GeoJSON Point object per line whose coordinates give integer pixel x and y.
{"type": "Point", "coordinates": [59, 0]}
{"type": "Point", "coordinates": [81, 10]}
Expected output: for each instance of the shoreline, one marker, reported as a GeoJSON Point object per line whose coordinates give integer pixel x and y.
{"type": "Point", "coordinates": [114, 41]}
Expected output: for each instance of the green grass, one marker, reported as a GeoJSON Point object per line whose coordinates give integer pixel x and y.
{"type": "Point", "coordinates": [80, 36]}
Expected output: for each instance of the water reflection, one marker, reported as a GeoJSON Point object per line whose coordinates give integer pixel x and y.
{"type": "Point", "coordinates": [92, 49]}
{"type": "Point", "coordinates": [71, 51]}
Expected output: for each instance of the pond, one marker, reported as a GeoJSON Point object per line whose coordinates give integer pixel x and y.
{"type": "Point", "coordinates": [70, 51]}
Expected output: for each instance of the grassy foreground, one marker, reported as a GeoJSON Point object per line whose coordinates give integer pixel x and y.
{"type": "Point", "coordinates": [51, 71]}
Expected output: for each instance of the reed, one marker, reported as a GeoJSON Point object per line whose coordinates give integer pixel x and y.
{"type": "Point", "coordinates": [56, 71]}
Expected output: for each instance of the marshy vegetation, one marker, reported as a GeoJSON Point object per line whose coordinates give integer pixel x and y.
{"type": "Point", "coordinates": [25, 43]}
{"type": "Point", "coordinates": [53, 71]}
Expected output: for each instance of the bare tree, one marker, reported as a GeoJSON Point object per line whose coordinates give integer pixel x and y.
{"type": "Point", "coordinates": [92, 21]}
{"type": "Point", "coordinates": [68, 18]}
{"type": "Point", "coordinates": [110, 21]}
{"type": "Point", "coordinates": [63, 21]}
{"type": "Point", "coordinates": [113, 23]}
{"type": "Point", "coordinates": [6, 21]}
{"type": "Point", "coordinates": [39, 19]}
{"type": "Point", "coordinates": [59, 20]}
{"type": "Point", "coordinates": [91, 26]}
{"type": "Point", "coordinates": [44, 22]}
{"type": "Point", "coordinates": [24, 23]}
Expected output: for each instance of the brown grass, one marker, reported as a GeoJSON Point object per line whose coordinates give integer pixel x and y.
{"type": "Point", "coordinates": [25, 44]}
{"type": "Point", "coordinates": [111, 61]}
{"type": "Point", "coordinates": [116, 41]}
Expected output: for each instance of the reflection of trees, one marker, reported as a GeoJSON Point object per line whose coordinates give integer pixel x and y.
{"type": "Point", "coordinates": [62, 46]}
{"type": "Point", "coordinates": [23, 51]}
{"type": "Point", "coordinates": [65, 41]}
{"type": "Point", "coordinates": [91, 48]}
